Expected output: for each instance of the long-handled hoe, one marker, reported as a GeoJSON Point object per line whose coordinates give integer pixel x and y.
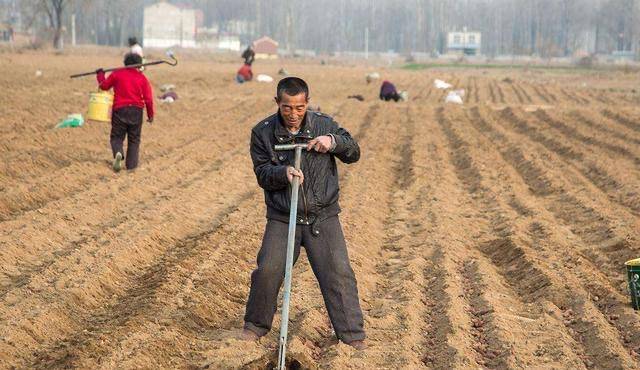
{"type": "Point", "coordinates": [173, 62]}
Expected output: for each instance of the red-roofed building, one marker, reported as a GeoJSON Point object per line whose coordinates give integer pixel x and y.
{"type": "Point", "coordinates": [265, 48]}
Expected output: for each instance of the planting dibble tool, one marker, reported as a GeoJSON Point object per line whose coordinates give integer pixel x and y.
{"type": "Point", "coordinates": [286, 297]}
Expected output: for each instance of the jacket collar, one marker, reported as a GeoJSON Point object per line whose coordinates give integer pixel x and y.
{"type": "Point", "coordinates": [306, 130]}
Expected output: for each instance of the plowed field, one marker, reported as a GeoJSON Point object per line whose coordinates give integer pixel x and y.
{"type": "Point", "coordinates": [491, 234]}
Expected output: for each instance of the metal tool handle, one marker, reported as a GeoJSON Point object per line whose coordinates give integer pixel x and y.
{"type": "Point", "coordinates": [173, 63]}
{"type": "Point", "coordinates": [289, 147]}
{"type": "Point", "coordinates": [286, 296]}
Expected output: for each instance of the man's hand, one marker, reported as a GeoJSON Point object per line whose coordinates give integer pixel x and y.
{"type": "Point", "coordinates": [99, 70]}
{"type": "Point", "coordinates": [150, 119]}
{"type": "Point", "coordinates": [291, 172]}
{"type": "Point", "coordinates": [321, 144]}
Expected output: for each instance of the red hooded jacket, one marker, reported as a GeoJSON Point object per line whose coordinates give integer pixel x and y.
{"type": "Point", "coordinates": [130, 87]}
{"type": "Point", "coordinates": [245, 72]}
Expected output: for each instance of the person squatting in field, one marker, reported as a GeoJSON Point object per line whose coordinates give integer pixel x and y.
{"type": "Point", "coordinates": [132, 92]}
{"type": "Point", "coordinates": [244, 74]}
{"type": "Point", "coordinates": [319, 229]}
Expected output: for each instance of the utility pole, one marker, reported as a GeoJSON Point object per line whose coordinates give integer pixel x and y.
{"type": "Point", "coordinates": [73, 29]}
{"type": "Point", "coordinates": [289, 26]}
{"type": "Point", "coordinates": [366, 43]}
{"type": "Point", "coordinates": [258, 19]}
{"type": "Point", "coordinates": [181, 26]}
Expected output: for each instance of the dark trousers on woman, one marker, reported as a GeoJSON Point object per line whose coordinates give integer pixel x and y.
{"type": "Point", "coordinates": [327, 253]}
{"type": "Point", "coordinates": [127, 122]}
{"type": "Point", "coordinates": [391, 96]}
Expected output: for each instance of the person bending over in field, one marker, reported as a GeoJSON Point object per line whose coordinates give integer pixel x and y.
{"type": "Point", "coordinates": [244, 74]}
{"type": "Point", "coordinates": [388, 92]}
{"type": "Point", "coordinates": [132, 92]}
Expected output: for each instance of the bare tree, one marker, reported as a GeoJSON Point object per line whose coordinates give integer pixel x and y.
{"type": "Point", "coordinates": [54, 10]}
{"type": "Point", "coordinates": [545, 28]}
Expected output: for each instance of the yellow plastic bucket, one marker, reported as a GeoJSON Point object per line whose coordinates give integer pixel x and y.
{"type": "Point", "coordinates": [100, 104]}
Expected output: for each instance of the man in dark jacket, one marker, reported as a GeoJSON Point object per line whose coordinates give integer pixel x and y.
{"type": "Point", "coordinates": [319, 229]}
{"type": "Point", "coordinates": [249, 55]}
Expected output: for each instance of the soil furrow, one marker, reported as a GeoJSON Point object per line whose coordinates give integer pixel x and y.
{"type": "Point", "coordinates": [540, 94]}
{"type": "Point", "coordinates": [602, 127]}
{"type": "Point", "coordinates": [500, 94]}
{"type": "Point", "coordinates": [492, 93]}
{"type": "Point", "coordinates": [624, 121]}
{"type": "Point", "coordinates": [587, 224]}
{"type": "Point", "coordinates": [592, 227]}
{"type": "Point", "coordinates": [572, 133]}
{"type": "Point", "coordinates": [26, 273]}
{"type": "Point", "coordinates": [533, 284]}
{"type": "Point", "coordinates": [490, 342]}
{"type": "Point", "coordinates": [476, 89]}
{"type": "Point", "coordinates": [54, 187]}
{"type": "Point", "coordinates": [573, 97]}
{"type": "Point", "coordinates": [517, 92]}
{"type": "Point", "coordinates": [524, 92]}
{"type": "Point", "coordinates": [546, 92]}
{"type": "Point", "coordinates": [593, 172]}
{"type": "Point", "coordinates": [135, 299]}
{"type": "Point", "coordinates": [91, 277]}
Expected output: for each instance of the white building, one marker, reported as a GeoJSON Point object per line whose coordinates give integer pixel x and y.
{"type": "Point", "coordinates": [167, 25]}
{"type": "Point", "coordinates": [465, 42]}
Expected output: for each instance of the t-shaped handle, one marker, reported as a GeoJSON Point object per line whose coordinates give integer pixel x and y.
{"type": "Point", "coordinates": [297, 147]}
{"type": "Point", "coordinates": [289, 146]}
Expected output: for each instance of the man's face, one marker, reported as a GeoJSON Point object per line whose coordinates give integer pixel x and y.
{"type": "Point", "coordinates": [293, 109]}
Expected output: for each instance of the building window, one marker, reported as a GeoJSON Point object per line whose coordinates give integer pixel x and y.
{"type": "Point", "coordinates": [472, 39]}
{"type": "Point", "coordinates": [457, 39]}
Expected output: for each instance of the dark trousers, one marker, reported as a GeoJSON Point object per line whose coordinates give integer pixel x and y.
{"type": "Point", "coordinates": [127, 122]}
{"type": "Point", "coordinates": [391, 96]}
{"type": "Point", "coordinates": [327, 253]}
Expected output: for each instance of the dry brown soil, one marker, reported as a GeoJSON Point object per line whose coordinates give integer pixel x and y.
{"type": "Point", "coordinates": [491, 234]}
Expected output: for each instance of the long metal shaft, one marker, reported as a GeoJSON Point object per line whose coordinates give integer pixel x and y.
{"type": "Point", "coordinates": [293, 214]}
{"type": "Point", "coordinates": [172, 63]}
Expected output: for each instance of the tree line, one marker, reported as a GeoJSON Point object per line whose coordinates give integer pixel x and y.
{"type": "Point", "coordinates": [545, 28]}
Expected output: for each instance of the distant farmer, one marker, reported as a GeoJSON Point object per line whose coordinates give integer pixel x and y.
{"type": "Point", "coordinates": [319, 229]}
{"type": "Point", "coordinates": [244, 74]}
{"type": "Point", "coordinates": [132, 92]}
{"type": "Point", "coordinates": [249, 55]}
{"type": "Point", "coordinates": [135, 47]}
{"type": "Point", "coordinates": [388, 92]}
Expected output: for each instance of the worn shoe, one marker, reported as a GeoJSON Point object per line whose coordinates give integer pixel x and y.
{"type": "Point", "coordinates": [249, 336]}
{"type": "Point", "coordinates": [358, 344]}
{"type": "Point", "coordinates": [117, 162]}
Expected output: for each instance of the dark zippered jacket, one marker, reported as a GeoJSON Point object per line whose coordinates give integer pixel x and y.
{"type": "Point", "coordinates": [318, 197]}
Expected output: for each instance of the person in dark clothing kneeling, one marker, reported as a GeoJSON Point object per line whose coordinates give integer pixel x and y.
{"type": "Point", "coordinates": [319, 229]}
{"type": "Point", "coordinates": [132, 92]}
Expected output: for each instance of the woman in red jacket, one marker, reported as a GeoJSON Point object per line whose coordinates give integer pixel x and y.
{"type": "Point", "coordinates": [132, 92]}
